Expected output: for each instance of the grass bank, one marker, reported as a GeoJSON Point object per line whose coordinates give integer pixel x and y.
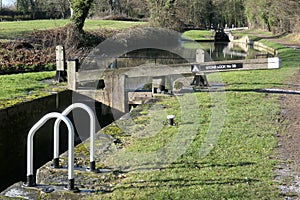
{"type": "Point", "coordinates": [239, 166]}
{"type": "Point", "coordinates": [11, 30]}
{"type": "Point", "coordinates": [19, 88]}
{"type": "Point", "coordinates": [198, 35]}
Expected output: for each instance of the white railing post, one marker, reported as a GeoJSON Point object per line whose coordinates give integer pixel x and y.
{"type": "Point", "coordinates": [92, 135]}
{"type": "Point", "coordinates": [30, 175]}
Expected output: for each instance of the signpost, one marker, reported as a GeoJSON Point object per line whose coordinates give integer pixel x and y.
{"type": "Point", "coordinates": [198, 67]}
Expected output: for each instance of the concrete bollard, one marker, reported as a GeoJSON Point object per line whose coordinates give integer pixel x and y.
{"type": "Point", "coordinates": [200, 56]}
{"type": "Point", "coordinates": [171, 120]}
{"type": "Point", "coordinates": [72, 69]}
{"type": "Point", "coordinates": [274, 63]}
{"type": "Point", "coordinates": [60, 64]}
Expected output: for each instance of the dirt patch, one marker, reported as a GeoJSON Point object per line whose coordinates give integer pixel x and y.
{"type": "Point", "coordinates": [288, 170]}
{"type": "Point", "coordinates": [291, 40]}
{"type": "Point", "coordinates": [291, 112]}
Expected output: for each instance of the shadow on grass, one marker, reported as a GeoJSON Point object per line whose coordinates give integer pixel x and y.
{"type": "Point", "coordinates": [271, 37]}
{"type": "Point", "coordinates": [188, 182]}
{"type": "Point", "coordinates": [181, 182]}
{"type": "Point", "coordinates": [186, 165]}
{"type": "Point", "coordinates": [246, 90]}
{"type": "Point", "coordinates": [257, 83]}
{"type": "Point", "coordinates": [200, 165]}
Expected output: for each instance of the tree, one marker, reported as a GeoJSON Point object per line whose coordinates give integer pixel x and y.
{"type": "Point", "coordinates": [166, 13]}
{"type": "Point", "coordinates": [274, 15]}
{"type": "Point", "coordinates": [137, 9]}
{"type": "Point", "coordinates": [175, 13]}
{"type": "Point", "coordinates": [57, 9]}
{"type": "Point", "coordinates": [79, 12]}
{"type": "Point", "coordinates": [23, 6]}
{"type": "Point", "coordinates": [76, 35]}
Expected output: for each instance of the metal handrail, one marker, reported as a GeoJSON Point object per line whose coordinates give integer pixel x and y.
{"type": "Point", "coordinates": [92, 134]}
{"type": "Point", "coordinates": [30, 175]}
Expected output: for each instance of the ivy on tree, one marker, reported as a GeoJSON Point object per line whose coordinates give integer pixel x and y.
{"type": "Point", "coordinates": [80, 10]}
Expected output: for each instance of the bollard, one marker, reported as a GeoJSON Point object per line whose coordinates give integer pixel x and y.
{"type": "Point", "coordinates": [60, 63]}
{"type": "Point", "coordinates": [71, 185]}
{"type": "Point", "coordinates": [171, 120]}
{"type": "Point", "coordinates": [72, 69]}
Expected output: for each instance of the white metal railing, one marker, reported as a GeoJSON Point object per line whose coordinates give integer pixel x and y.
{"type": "Point", "coordinates": [92, 134]}
{"type": "Point", "coordinates": [30, 175]}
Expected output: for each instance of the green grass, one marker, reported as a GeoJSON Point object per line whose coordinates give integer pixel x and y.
{"type": "Point", "coordinates": [110, 24]}
{"type": "Point", "coordinates": [11, 30]}
{"type": "Point", "coordinates": [23, 87]}
{"type": "Point", "coordinates": [239, 166]}
{"type": "Point", "coordinates": [251, 32]}
{"type": "Point", "coordinates": [198, 35]}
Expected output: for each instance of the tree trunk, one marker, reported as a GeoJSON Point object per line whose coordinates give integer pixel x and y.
{"type": "Point", "coordinates": [79, 12]}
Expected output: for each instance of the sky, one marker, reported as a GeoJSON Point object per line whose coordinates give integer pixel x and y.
{"type": "Point", "coordinates": [7, 2]}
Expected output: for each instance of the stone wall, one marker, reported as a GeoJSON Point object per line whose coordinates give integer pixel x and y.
{"type": "Point", "coordinates": [16, 121]}
{"type": "Point", "coordinates": [15, 124]}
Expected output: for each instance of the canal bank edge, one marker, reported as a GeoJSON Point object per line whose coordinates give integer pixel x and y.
{"type": "Point", "coordinates": [257, 45]}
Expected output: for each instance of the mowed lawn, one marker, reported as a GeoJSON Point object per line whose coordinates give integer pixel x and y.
{"type": "Point", "coordinates": [17, 88]}
{"type": "Point", "coordinates": [11, 30]}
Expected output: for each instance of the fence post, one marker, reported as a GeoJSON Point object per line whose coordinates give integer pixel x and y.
{"type": "Point", "coordinates": [200, 79]}
{"type": "Point", "coordinates": [200, 56]}
{"type": "Point", "coordinates": [60, 64]}
{"type": "Point", "coordinates": [72, 69]}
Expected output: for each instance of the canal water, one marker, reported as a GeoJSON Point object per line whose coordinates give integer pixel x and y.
{"type": "Point", "coordinates": [219, 51]}
{"type": "Point", "coordinates": [215, 51]}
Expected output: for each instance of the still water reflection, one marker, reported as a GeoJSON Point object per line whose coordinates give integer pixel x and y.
{"type": "Point", "coordinates": [215, 51]}
{"type": "Point", "coordinates": [219, 51]}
